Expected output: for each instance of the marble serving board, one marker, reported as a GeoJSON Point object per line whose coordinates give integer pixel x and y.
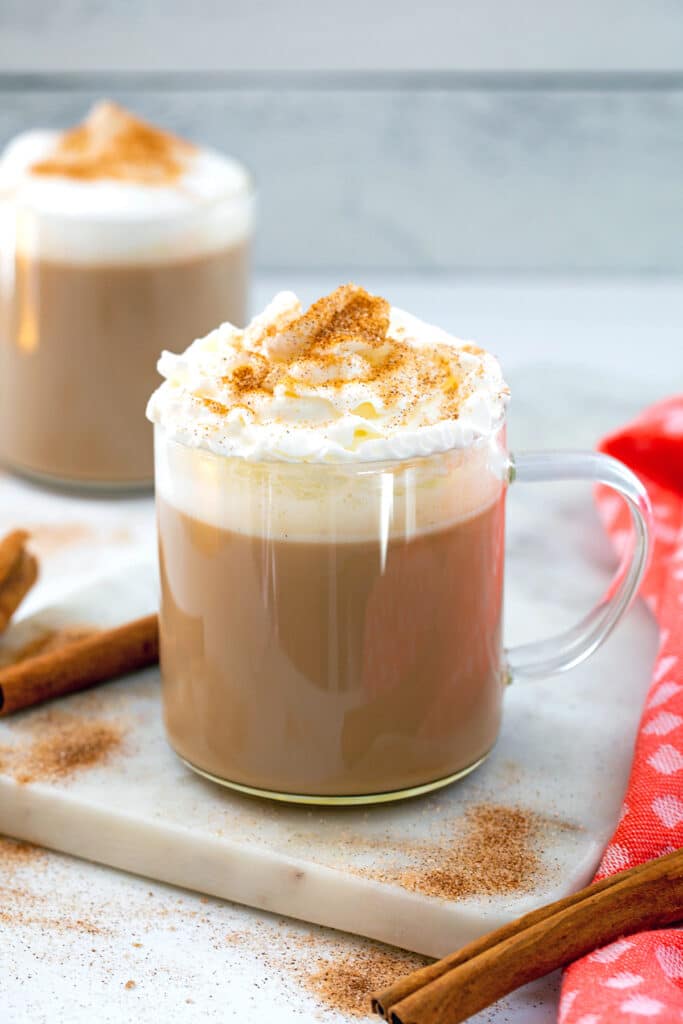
{"type": "Point", "coordinates": [386, 872]}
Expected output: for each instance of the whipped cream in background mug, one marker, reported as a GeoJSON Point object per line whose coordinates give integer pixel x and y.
{"type": "Point", "coordinates": [331, 492]}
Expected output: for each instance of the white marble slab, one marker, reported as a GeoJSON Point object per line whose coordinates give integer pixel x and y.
{"type": "Point", "coordinates": [564, 753]}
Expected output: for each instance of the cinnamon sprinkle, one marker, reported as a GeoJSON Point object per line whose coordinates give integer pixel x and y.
{"type": "Point", "coordinates": [496, 856]}
{"type": "Point", "coordinates": [343, 984]}
{"type": "Point", "coordinates": [14, 854]}
{"type": "Point", "coordinates": [347, 314]}
{"type": "Point", "coordinates": [49, 538]}
{"type": "Point", "coordinates": [63, 745]}
{"type": "Point", "coordinates": [250, 378]}
{"type": "Point", "coordinates": [489, 850]}
{"type": "Point", "coordinates": [215, 407]}
{"type": "Point", "coordinates": [20, 908]}
{"type": "Point", "coordinates": [112, 143]}
{"type": "Point", "coordinates": [21, 916]}
{"type": "Point", "coordinates": [339, 971]}
{"type": "Point", "coordinates": [19, 905]}
{"type": "Point", "coordinates": [344, 336]}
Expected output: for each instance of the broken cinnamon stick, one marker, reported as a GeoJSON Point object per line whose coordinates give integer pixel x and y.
{"type": "Point", "coordinates": [18, 573]}
{"type": "Point", "coordinates": [11, 547]}
{"type": "Point", "coordinates": [103, 655]}
{"type": "Point", "coordinates": [454, 989]}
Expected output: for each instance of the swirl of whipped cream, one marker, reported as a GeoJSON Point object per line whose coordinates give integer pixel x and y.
{"type": "Point", "coordinates": [350, 380]}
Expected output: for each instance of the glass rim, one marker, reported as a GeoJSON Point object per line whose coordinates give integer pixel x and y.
{"type": "Point", "coordinates": [350, 465]}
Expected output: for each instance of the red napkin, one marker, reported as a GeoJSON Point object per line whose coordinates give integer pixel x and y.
{"type": "Point", "coordinates": [640, 978]}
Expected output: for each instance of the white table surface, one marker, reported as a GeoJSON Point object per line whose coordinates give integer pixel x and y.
{"type": "Point", "coordinates": [72, 934]}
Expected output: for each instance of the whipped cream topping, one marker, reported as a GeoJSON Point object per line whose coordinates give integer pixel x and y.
{"type": "Point", "coordinates": [115, 185]}
{"type": "Point", "coordinates": [350, 380]}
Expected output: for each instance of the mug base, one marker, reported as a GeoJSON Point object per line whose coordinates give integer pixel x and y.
{"type": "Point", "coordinates": [346, 800]}
{"type": "Point", "coordinates": [77, 485]}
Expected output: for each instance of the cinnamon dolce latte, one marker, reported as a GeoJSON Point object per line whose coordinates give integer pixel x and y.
{"type": "Point", "coordinates": [330, 492]}
{"type": "Point", "coordinates": [115, 238]}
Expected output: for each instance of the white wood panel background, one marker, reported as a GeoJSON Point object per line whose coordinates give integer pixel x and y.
{"type": "Point", "coordinates": [337, 35]}
{"type": "Point", "coordinates": [470, 135]}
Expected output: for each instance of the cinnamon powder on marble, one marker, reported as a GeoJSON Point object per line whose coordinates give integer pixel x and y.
{"type": "Point", "coordinates": [496, 855]}
{"type": "Point", "coordinates": [63, 745]}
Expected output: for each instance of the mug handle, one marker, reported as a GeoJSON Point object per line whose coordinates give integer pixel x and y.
{"type": "Point", "coordinates": [562, 652]}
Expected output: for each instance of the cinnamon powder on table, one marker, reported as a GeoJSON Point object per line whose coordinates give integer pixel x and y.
{"type": "Point", "coordinates": [337, 970]}
{"type": "Point", "coordinates": [52, 538]}
{"type": "Point", "coordinates": [15, 853]}
{"type": "Point", "coordinates": [22, 907]}
{"type": "Point", "coordinates": [343, 983]}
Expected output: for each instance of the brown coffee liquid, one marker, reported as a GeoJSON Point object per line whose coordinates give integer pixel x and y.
{"type": "Point", "coordinates": [78, 351]}
{"type": "Point", "coordinates": [331, 668]}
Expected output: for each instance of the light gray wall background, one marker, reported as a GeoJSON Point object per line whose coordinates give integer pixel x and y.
{"type": "Point", "coordinates": [470, 35]}
{"type": "Point", "coordinates": [488, 135]}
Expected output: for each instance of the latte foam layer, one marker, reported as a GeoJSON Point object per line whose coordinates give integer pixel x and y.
{"type": "Point", "coordinates": [309, 502]}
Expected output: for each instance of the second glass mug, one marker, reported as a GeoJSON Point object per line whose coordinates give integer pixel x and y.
{"type": "Point", "coordinates": [332, 633]}
{"type": "Point", "coordinates": [86, 303]}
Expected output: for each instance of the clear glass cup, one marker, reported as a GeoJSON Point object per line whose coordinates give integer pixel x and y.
{"type": "Point", "coordinates": [331, 633]}
{"type": "Point", "coordinates": [86, 305]}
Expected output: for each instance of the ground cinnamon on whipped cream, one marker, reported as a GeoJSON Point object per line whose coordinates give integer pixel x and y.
{"type": "Point", "coordinates": [112, 143]}
{"type": "Point", "coordinates": [351, 377]}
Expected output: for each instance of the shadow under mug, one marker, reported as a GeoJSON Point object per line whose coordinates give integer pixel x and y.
{"type": "Point", "coordinates": [332, 634]}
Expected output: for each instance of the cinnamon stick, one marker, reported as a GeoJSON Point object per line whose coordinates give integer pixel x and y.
{"type": "Point", "coordinates": [383, 1001]}
{"type": "Point", "coordinates": [453, 989]}
{"type": "Point", "coordinates": [11, 547]}
{"type": "Point", "coordinates": [18, 573]}
{"type": "Point", "coordinates": [103, 655]}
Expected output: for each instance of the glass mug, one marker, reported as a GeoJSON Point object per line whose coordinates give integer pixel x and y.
{"type": "Point", "coordinates": [86, 304]}
{"type": "Point", "coordinates": [331, 633]}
